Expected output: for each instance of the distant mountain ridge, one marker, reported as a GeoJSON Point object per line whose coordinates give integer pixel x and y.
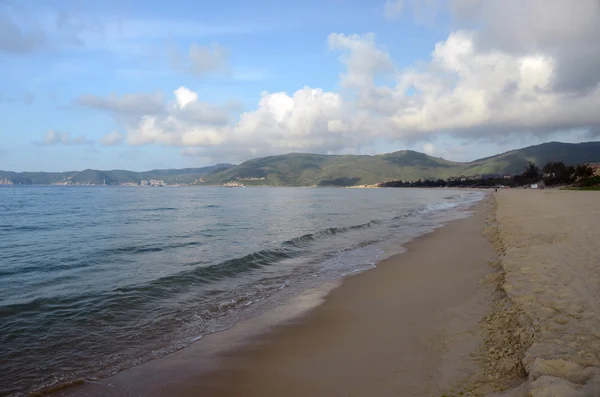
{"type": "Point", "coordinates": [113, 177]}
{"type": "Point", "coordinates": [299, 169]}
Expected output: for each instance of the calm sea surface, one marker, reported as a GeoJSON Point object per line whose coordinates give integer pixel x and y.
{"type": "Point", "coordinates": [97, 279]}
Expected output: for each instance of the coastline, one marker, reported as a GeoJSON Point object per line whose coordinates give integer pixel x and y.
{"type": "Point", "coordinates": [420, 307]}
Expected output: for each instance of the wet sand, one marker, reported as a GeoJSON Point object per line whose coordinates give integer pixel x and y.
{"type": "Point", "coordinates": [409, 327]}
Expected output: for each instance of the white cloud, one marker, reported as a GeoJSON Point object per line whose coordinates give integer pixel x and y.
{"type": "Point", "coordinates": [474, 85]}
{"type": "Point", "coordinates": [362, 58]}
{"type": "Point", "coordinates": [183, 96]}
{"type": "Point", "coordinates": [307, 120]}
{"type": "Point", "coordinates": [393, 8]}
{"type": "Point", "coordinates": [558, 29]}
{"type": "Point", "coordinates": [112, 139]}
{"type": "Point", "coordinates": [429, 149]}
{"type": "Point", "coordinates": [173, 131]}
{"type": "Point", "coordinates": [52, 137]}
{"type": "Point", "coordinates": [466, 88]}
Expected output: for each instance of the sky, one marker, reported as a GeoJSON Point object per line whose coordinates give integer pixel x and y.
{"type": "Point", "coordinates": [130, 84]}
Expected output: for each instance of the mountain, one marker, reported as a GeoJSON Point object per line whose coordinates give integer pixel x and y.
{"type": "Point", "coordinates": [114, 177]}
{"type": "Point", "coordinates": [298, 169]}
{"type": "Point", "coordinates": [514, 161]}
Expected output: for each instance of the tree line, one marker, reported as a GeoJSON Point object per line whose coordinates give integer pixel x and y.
{"type": "Point", "coordinates": [552, 174]}
{"type": "Point", "coordinates": [557, 173]}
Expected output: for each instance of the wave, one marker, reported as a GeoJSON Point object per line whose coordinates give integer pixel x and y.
{"type": "Point", "coordinates": [233, 267]}
{"type": "Point", "coordinates": [440, 207]}
{"type": "Point", "coordinates": [287, 249]}
{"type": "Point", "coordinates": [98, 257]}
{"type": "Point", "coordinates": [28, 228]}
{"type": "Point", "coordinates": [167, 285]}
{"type": "Point", "coordinates": [405, 215]}
{"type": "Point", "coordinates": [453, 197]}
{"type": "Point", "coordinates": [302, 240]}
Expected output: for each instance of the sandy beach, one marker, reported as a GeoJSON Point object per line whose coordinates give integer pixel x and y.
{"type": "Point", "coordinates": [550, 254]}
{"type": "Point", "coordinates": [505, 302]}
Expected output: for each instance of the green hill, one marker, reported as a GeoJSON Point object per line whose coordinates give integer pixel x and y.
{"type": "Point", "coordinates": [514, 161]}
{"type": "Point", "coordinates": [114, 177]}
{"type": "Point", "coordinates": [298, 169]}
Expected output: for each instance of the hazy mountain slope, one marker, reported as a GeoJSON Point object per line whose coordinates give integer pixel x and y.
{"type": "Point", "coordinates": [96, 177]}
{"type": "Point", "coordinates": [514, 161]}
{"type": "Point", "coordinates": [296, 169]}
{"type": "Point", "coordinates": [300, 169]}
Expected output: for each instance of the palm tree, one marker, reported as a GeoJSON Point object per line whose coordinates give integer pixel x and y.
{"type": "Point", "coordinates": [583, 171]}
{"type": "Point", "coordinates": [532, 172]}
{"type": "Point", "coordinates": [557, 172]}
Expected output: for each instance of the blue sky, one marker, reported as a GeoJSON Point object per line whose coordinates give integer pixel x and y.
{"type": "Point", "coordinates": [138, 85]}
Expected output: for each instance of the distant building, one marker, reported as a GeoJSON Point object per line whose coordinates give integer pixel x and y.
{"type": "Point", "coordinates": [156, 182]}
{"type": "Point", "coordinates": [144, 182]}
{"type": "Point", "coordinates": [491, 176]}
{"type": "Point", "coordinates": [233, 184]}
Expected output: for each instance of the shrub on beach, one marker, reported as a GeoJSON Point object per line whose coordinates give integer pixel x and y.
{"type": "Point", "coordinates": [593, 181]}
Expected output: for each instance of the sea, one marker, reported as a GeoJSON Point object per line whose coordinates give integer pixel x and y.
{"type": "Point", "coordinates": [94, 280]}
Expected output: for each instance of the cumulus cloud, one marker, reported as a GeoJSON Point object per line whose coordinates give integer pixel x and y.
{"type": "Point", "coordinates": [307, 120]}
{"type": "Point", "coordinates": [113, 139]}
{"type": "Point", "coordinates": [184, 97]}
{"type": "Point", "coordinates": [476, 84]}
{"type": "Point", "coordinates": [363, 59]}
{"type": "Point", "coordinates": [558, 29]}
{"type": "Point", "coordinates": [468, 89]}
{"type": "Point", "coordinates": [52, 137]}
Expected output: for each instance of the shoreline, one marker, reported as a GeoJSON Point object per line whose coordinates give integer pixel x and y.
{"type": "Point", "coordinates": [321, 258]}
{"type": "Point", "coordinates": [174, 374]}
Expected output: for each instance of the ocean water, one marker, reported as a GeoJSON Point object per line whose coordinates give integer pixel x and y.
{"type": "Point", "coordinates": [94, 280]}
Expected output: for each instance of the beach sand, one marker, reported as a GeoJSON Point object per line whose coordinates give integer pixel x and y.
{"type": "Point", "coordinates": [549, 242]}
{"type": "Point", "coordinates": [409, 327]}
